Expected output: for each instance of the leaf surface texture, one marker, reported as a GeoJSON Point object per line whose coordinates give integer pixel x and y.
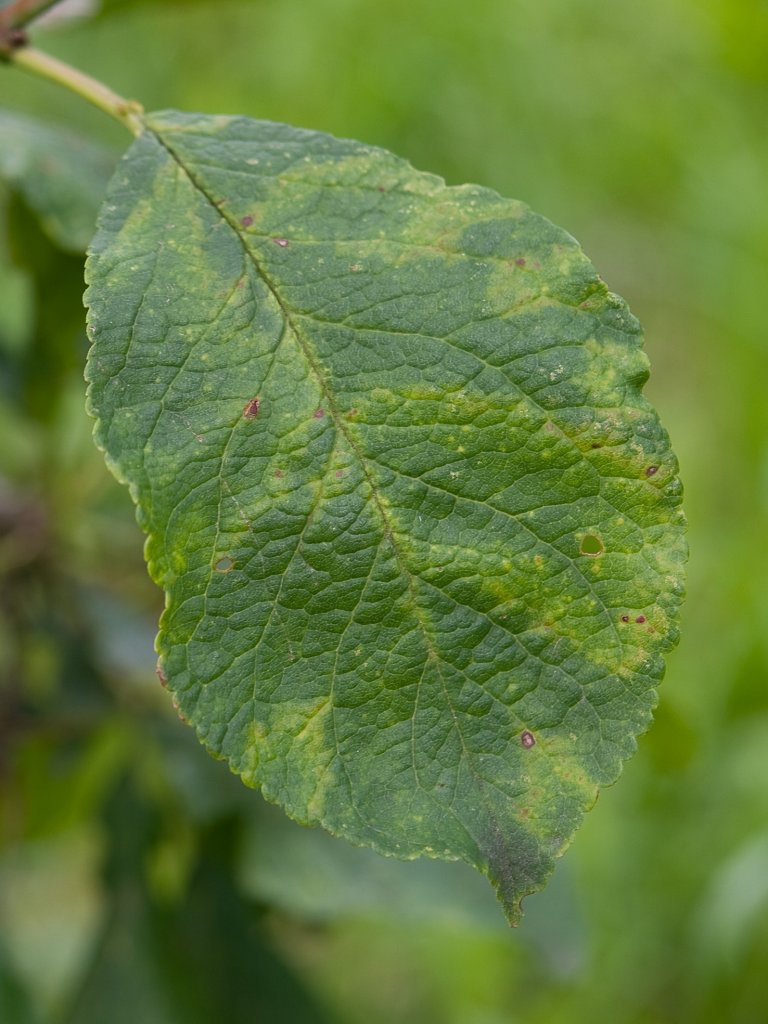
{"type": "Point", "coordinates": [418, 529]}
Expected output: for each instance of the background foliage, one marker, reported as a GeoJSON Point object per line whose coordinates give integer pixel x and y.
{"type": "Point", "coordinates": [138, 880]}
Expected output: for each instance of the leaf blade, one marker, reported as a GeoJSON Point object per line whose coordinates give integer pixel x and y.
{"type": "Point", "coordinates": [393, 417]}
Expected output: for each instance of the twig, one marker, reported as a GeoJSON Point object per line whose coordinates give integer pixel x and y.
{"type": "Point", "coordinates": [128, 112]}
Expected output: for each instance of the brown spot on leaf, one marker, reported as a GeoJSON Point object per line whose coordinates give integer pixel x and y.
{"type": "Point", "coordinates": [251, 409]}
{"type": "Point", "coordinates": [319, 413]}
{"type": "Point", "coordinates": [339, 474]}
{"type": "Point", "coordinates": [652, 471]}
{"type": "Point", "coordinates": [520, 261]}
{"type": "Point", "coordinates": [625, 618]}
{"type": "Point", "coordinates": [161, 676]}
{"type": "Point", "coordinates": [641, 619]}
{"type": "Point", "coordinates": [279, 473]}
{"type": "Point", "coordinates": [527, 739]}
{"type": "Point", "coordinates": [282, 242]}
{"type": "Point", "coordinates": [246, 221]}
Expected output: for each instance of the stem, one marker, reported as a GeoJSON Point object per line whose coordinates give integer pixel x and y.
{"type": "Point", "coordinates": [19, 13]}
{"type": "Point", "coordinates": [128, 112]}
{"type": "Point", "coordinates": [14, 49]}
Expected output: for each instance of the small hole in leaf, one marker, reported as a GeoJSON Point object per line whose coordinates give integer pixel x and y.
{"type": "Point", "coordinates": [591, 545]}
{"type": "Point", "coordinates": [224, 564]}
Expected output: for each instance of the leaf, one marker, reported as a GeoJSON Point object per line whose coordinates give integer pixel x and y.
{"type": "Point", "coordinates": [62, 177]}
{"type": "Point", "coordinates": [418, 529]}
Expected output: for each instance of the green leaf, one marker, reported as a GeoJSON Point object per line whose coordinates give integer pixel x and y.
{"type": "Point", "coordinates": [418, 529]}
{"type": "Point", "coordinates": [62, 176]}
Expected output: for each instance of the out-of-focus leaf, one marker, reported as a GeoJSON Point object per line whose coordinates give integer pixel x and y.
{"type": "Point", "coordinates": [218, 961]}
{"type": "Point", "coordinates": [737, 901]}
{"type": "Point", "coordinates": [419, 530]}
{"type": "Point", "coordinates": [20, 452]}
{"type": "Point", "coordinates": [308, 874]}
{"type": "Point", "coordinates": [15, 1005]}
{"type": "Point", "coordinates": [61, 176]}
{"type": "Point", "coordinates": [126, 982]}
{"type": "Point", "coordinates": [15, 309]}
{"type": "Point", "coordinates": [55, 344]}
{"type": "Point", "coordinates": [50, 913]}
{"type": "Point", "coordinates": [202, 961]}
{"type": "Point", "coordinates": [304, 873]}
{"type": "Point", "coordinates": [15, 293]}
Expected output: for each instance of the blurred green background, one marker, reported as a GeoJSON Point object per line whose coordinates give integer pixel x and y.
{"type": "Point", "coordinates": [139, 882]}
